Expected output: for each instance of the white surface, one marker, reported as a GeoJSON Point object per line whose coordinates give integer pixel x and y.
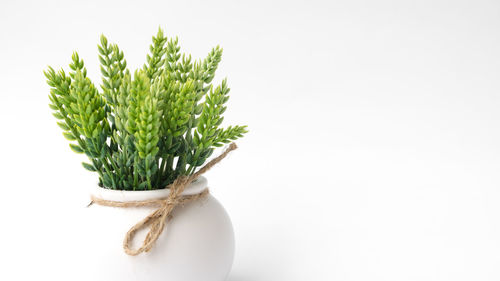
{"type": "Point", "coordinates": [198, 243]}
{"type": "Point", "coordinates": [374, 144]}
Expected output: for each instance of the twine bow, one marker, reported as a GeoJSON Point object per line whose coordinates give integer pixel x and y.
{"type": "Point", "coordinates": [157, 220]}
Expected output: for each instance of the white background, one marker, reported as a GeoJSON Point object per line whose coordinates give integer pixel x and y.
{"type": "Point", "coordinates": [374, 144]}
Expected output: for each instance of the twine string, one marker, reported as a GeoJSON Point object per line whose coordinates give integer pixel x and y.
{"type": "Point", "coordinates": [158, 219]}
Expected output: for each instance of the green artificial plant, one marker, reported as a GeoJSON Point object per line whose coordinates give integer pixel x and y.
{"type": "Point", "coordinates": [142, 131]}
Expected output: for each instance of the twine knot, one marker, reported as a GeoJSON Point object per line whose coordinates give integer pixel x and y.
{"type": "Point", "coordinates": [158, 219]}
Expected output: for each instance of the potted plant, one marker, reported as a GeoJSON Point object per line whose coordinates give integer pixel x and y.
{"type": "Point", "coordinates": [148, 136]}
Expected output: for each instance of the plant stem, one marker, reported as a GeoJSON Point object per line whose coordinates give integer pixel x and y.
{"type": "Point", "coordinates": [159, 174]}
{"type": "Point", "coordinates": [136, 180]}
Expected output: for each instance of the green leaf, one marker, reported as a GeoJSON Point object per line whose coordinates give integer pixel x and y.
{"type": "Point", "coordinates": [143, 185]}
{"type": "Point", "coordinates": [58, 115]}
{"type": "Point", "coordinates": [76, 148]}
{"type": "Point", "coordinates": [63, 126]}
{"type": "Point", "coordinates": [69, 136]}
{"type": "Point", "coordinates": [89, 167]}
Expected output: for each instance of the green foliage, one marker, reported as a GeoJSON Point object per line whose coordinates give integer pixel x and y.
{"type": "Point", "coordinates": [144, 131]}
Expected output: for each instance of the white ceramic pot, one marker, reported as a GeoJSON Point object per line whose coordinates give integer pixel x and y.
{"type": "Point", "coordinates": [197, 244]}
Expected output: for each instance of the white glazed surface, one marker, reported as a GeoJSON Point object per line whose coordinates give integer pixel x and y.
{"type": "Point", "coordinates": [197, 244]}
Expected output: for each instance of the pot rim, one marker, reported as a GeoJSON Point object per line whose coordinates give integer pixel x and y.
{"type": "Point", "coordinates": [195, 187]}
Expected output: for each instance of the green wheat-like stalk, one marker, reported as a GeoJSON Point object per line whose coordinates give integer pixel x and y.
{"type": "Point", "coordinates": [142, 131]}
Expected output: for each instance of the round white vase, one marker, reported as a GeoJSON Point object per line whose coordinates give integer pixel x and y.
{"type": "Point", "coordinates": [196, 245]}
